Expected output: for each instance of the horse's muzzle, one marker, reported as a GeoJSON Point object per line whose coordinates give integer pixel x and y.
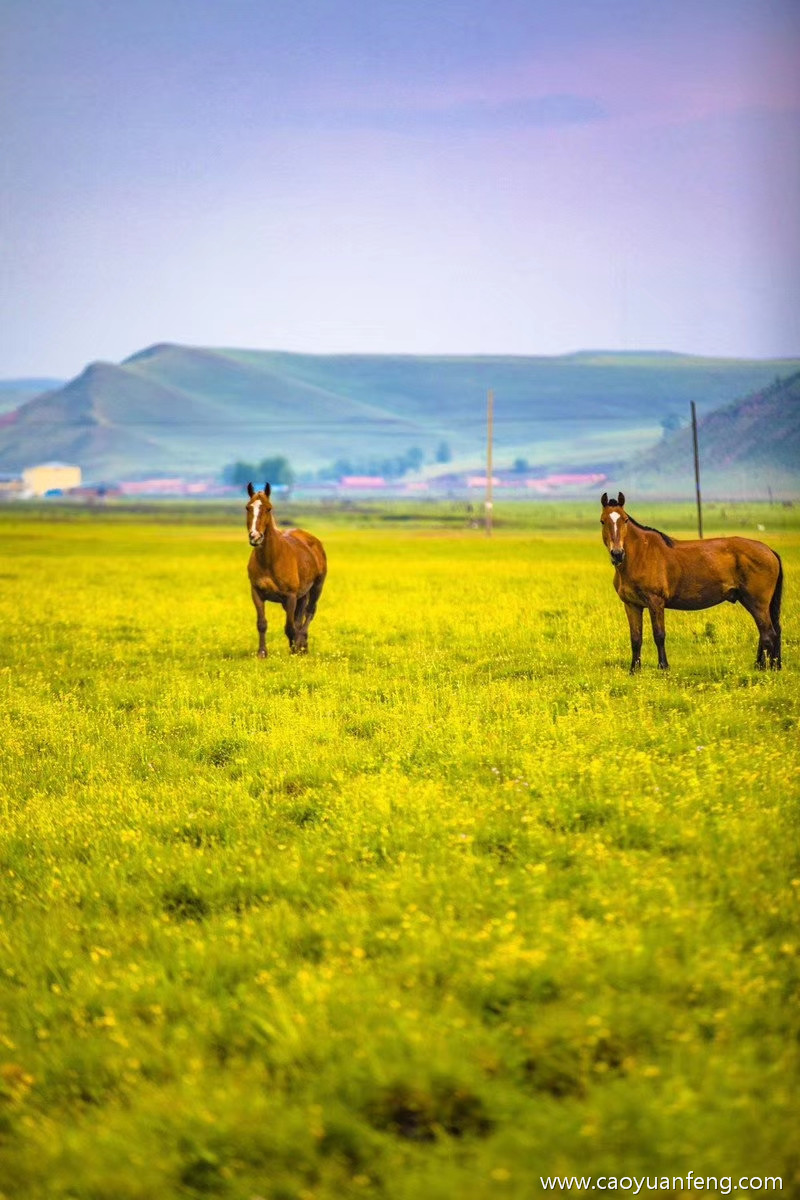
{"type": "Point", "coordinates": [617, 557]}
{"type": "Point", "coordinates": [256, 539]}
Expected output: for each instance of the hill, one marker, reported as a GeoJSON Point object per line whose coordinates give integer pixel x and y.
{"type": "Point", "coordinates": [752, 445]}
{"type": "Point", "coordinates": [190, 410]}
{"type": "Point", "coordinates": [14, 392]}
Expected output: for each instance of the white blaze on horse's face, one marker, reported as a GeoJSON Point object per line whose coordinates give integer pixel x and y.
{"type": "Point", "coordinates": [256, 537]}
{"type": "Point", "coordinates": [614, 534]}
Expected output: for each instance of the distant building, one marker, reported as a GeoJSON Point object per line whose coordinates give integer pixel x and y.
{"type": "Point", "coordinates": [374, 482]}
{"type": "Point", "coordinates": [167, 486]}
{"type": "Point", "coordinates": [10, 487]}
{"type": "Point", "coordinates": [555, 483]}
{"type": "Point", "coordinates": [171, 486]}
{"type": "Point", "coordinates": [50, 477]}
{"type": "Point", "coordinates": [95, 492]}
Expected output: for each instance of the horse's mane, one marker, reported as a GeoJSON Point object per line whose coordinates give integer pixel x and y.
{"type": "Point", "coordinates": [649, 529]}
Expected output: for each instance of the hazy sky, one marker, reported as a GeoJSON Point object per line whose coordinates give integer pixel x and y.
{"type": "Point", "coordinates": [421, 176]}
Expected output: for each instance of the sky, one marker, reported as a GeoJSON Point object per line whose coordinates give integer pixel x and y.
{"type": "Point", "coordinates": [398, 176]}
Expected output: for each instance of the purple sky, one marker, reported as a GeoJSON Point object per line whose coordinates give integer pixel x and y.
{"type": "Point", "coordinates": [494, 176]}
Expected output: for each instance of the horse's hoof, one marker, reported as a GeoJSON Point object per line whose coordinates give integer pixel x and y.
{"type": "Point", "coordinates": [261, 654]}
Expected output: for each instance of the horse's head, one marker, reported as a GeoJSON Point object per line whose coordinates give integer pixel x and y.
{"type": "Point", "coordinates": [615, 524]}
{"type": "Point", "coordinates": [259, 507]}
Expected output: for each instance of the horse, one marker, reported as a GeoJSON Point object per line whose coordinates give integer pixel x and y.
{"type": "Point", "coordinates": [285, 568]}
{"type": "Point", "coordinates": [654, 571]}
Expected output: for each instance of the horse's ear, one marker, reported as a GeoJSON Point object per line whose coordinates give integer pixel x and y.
{"type": "Point", "coordinates": [604, 499]}
{"type": "Point", "coordinates": [250, 489]}
{"type": "Point", "coordinates": [621, 500]}
{"type": "Point", "coordinates": [267, 489]}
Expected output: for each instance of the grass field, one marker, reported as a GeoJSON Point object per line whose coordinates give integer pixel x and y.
{"type": "Point", "coordinates": [449, 905]}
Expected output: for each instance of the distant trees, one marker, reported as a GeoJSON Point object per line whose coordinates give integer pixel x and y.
{"type": "Point", "coordinates": [670, 424]}
{"type": "Point", "coordinates": [270, 470]}
{"type": "Point", "coordinates": [443, 452]}
{"type": "Point", "coordinates": [277, 470]}
{"type": "Point", "coordinates": [388, 468]}
{"type": "Point", "coordinates": [521, 465]}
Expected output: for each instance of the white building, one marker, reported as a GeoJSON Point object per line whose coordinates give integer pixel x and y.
{"type": "Point", "coordinates": [50, 477]}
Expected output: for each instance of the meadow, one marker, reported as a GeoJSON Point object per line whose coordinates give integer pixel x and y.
{"type": "Point", "coordinates": [448, 905]}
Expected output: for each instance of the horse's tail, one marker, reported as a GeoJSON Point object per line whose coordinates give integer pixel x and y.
{"type": "Point", "coordinates": [775, 603]}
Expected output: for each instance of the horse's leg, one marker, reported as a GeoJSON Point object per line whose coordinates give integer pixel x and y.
{"type": "Point", "coordinates": [775, 653]}
{"type": "Point", "coordinates": [656, 607]}
{"type": "Point", "coordinates": [301, 625]}
{"type": "Point", "coordinates": [769, 642]}
{"type": "Point", "coordinates": [635, 622]}
{"type": "Point", "coordinates": [761, 653]}
{"type": "Point", "coordinates": [261, 623]}
{"type": "Point", "coordinates": [290, 605]}
{"type": "Point", "coordinates": [313, 598]}
{"type": "Point", "coordinates": [300, 612]}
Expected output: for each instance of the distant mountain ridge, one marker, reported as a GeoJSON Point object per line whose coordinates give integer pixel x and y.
{"type": "Point", "coordinates": [172, 409]}
{"type": "Point", "coordinates": [14, 392]}
{"type": "Point", "coordinates": [756, 438]}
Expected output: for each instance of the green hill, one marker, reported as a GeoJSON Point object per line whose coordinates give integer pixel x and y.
{"type": "Point", "coordinates": [186, 410]}
{"type": "Point", "coordinates": [750, 447]}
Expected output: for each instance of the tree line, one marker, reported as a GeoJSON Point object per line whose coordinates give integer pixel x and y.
{"type": "Point", "coordinates": [279, 471]}
{"type": "Point", "coordinates": [273, 470]}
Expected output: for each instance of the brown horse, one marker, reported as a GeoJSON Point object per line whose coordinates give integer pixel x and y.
{"type": "Point", "coordinates": [286, 568]}
{"type": "Point", "coordinates": [654, 572]}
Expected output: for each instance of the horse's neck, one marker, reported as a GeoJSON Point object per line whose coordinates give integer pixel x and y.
{"type": "Point", "coordinates": [646, 541]}
{"type": "Point", "coordinates": [269, 547]}
{"type": "Point", "coordinates": [636, 539]}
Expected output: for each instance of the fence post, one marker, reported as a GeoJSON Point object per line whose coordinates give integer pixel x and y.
{"type": "Point", "coordinates": [697, 473]}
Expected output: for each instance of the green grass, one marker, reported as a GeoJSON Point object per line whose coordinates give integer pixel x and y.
{"type": "Point", "coordinates": [448, 905]}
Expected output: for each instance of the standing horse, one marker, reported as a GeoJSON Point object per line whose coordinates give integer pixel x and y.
{"type": "Point", "coordinates": [286, 568]}
{"type": "Point", "coordinates": [654, 572]}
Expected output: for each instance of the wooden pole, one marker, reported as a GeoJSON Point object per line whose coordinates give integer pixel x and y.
{"type": "Point", "coordinates": [697, 473]}
{"type": "Point", "coordinates": [489, 436]}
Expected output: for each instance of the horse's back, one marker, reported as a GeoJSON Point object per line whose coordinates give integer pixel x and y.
{"type": "Point", "coordinates": [751, 558]}
{"type": "Point", "coordinates": [752, 551]}
{"type": "Point", "coordinates": [723, 568]}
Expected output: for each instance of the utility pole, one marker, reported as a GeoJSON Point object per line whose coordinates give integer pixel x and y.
{"type": "Point", "coordinates": [489, 435]}
{"type": "Point", "coordinates": [697, 473]}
